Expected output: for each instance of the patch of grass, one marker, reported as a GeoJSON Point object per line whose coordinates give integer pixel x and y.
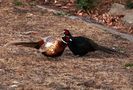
{"type": "Point", "coordinates": [129, 4]}
{"type": "Point", "coordinates": [86, 4]}
{"type": "Point", "coordinates": [18, 3]}
{"type": "Point", "coordinates": [129, 65]}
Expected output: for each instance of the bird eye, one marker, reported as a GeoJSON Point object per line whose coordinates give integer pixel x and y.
{"type": "Point", "coordinates": [70, 39]}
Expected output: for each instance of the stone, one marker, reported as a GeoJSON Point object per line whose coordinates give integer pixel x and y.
{"type": "Point", "coordinates": [117, 9]}
{"type": "Point", "coordinates": [128, 18]}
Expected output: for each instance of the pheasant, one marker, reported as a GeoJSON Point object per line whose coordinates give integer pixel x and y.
{"type": "Point", "coordinates": [48, 46]}
{"type": "Point", "coordinates": [82, 45]}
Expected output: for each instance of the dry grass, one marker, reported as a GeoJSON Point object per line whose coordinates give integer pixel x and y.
{"type": "Point", "coordinates": [24, 68]}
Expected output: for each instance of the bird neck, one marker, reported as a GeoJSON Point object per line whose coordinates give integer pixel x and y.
{"type": "Point", "coordinates": [41, 42]}
{"type": "Point", "coordinates": [64, 43]}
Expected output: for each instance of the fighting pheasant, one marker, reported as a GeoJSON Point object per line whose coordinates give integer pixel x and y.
{"type": "Point", "coordinates": [82, 45]}
{"type": "Point", "coordinates": [48, 46]}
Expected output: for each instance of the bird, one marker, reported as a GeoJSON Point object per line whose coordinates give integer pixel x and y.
{"type": "Point", "coordinates": [80, 45]}
{"type": "Point", "coordinates": [48, 46]}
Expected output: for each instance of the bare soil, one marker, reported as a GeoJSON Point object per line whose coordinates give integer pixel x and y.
{"type": "Point", "coordinates": [24, 68]}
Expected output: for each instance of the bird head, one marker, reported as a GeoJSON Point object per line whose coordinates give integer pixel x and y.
{"type": "Point", "coordinates": [67, 33]}
{"type": "Point", "coordinates": [66, 39]}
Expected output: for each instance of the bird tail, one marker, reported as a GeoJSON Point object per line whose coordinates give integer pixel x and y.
{"type": "Point", "coordinates": [109, 50]}
{"type": "Point", "coordinates": [23, 43]}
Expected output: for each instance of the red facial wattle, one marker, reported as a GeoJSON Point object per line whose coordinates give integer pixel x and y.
{"type": "Point", "coordinates": [66, 32]}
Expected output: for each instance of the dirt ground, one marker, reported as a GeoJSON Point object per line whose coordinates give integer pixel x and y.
{"type": "Point", "coordinates": [99, 14]}
{"type": "Point", "coordinates": [25, 69]}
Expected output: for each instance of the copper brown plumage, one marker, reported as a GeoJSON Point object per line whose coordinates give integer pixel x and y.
{"type": "Point", "coordinates": [48, 46]}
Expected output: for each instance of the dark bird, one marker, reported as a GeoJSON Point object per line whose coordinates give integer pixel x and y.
{"type": "Point", "coordinates": [80, 45]}
{"type": "Point", "coordinates": [48, 46]}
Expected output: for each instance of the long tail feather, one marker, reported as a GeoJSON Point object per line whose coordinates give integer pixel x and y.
{"type": "Point", "coordinates": [109, 50]}
{"type": "Point", "coordinates": [23, 43]}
